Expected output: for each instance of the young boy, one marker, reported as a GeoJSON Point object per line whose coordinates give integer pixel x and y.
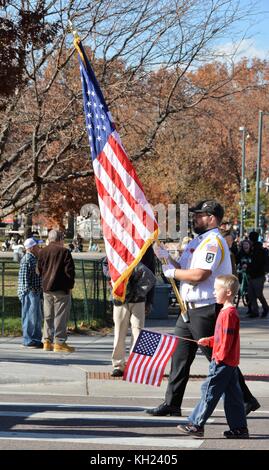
{"type": "Point", "coordinates": [223, 376]}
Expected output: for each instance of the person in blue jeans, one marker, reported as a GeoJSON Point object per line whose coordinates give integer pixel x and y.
{"type": "Point", "coordinates": [29, 293]}
{"type": "Point", "coordinates": [223, 373]}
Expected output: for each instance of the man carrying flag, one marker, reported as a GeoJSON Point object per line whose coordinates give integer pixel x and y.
{"type": "Point", "coordinates": [128, 222]}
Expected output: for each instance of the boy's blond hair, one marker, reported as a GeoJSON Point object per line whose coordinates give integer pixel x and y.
{"type": "Point", "coordinates": [229, 281]}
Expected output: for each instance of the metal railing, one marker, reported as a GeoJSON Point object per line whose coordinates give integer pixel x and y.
{"type": "Point", "coordinates": [90, 296]}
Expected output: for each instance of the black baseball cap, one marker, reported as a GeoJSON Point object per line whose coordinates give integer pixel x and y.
{"type": "Point", "coordinates": [210, 207]}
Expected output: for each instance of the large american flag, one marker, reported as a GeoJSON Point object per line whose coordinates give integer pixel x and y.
{"type": "Point", "coordinates": [128, 222]}
{"type": "Point", "coordinates": [147, 361]}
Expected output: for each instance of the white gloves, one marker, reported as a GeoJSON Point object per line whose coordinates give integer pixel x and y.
{"type": "Point", "coordinates": [168, 270]}
{"type": "Point", "coordinates": [160, 252]}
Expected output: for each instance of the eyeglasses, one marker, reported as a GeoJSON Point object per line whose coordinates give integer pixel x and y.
{"type": "Point", "coordinates": [201, 214]}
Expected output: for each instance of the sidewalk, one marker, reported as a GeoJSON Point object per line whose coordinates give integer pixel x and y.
{"type": "Point", "coordinates": [36, 371]}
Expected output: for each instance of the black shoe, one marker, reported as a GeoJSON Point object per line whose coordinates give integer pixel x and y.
{"type": "Point", "coordinates": [164, 410]}
{"type": "Point", "coordinates": [34, 345]}
{"type": "Point", "coordinates": [117, 373]}
{"type": "Point", "coordinates": [251, 405]}
{"type": "Point", "coordinates": [264, 314]}
{"type": "Point", "coordinates": [240, 433]}
{"type": "Point", "coordinates": [191, 429]}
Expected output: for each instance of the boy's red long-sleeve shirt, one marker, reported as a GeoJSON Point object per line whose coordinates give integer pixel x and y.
{"type": "Point", "coordinates": [226, 340]}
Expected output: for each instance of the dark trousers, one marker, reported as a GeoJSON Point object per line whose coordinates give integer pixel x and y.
{"type": "Point", "coordinates": [202, 324]}
{"type": "Point", "coordinates": [255, 292]}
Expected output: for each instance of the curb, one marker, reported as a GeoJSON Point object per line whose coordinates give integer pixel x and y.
{"type": "Point", "coordinates": [107, 376]}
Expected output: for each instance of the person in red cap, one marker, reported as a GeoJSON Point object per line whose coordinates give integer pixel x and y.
{"type": "Point", "coordinates": [204, 258]}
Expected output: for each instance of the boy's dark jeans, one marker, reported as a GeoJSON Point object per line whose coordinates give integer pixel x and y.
{"type": "Point", "coordinates": [222, 380]}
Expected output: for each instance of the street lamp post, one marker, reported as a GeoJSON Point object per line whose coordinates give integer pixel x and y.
{"type": "Point", "coordinates": [242, 197]}
{"type": "Point", "coordinates": [258, 170]}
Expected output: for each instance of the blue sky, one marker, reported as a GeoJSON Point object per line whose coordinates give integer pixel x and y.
{"type": "Point", "coordinates": [256, 42]}
{"type": "Point", "coordinates": [260, 31]}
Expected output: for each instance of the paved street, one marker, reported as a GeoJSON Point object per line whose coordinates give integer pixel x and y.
{"type": "Point", "coordinates": [110, 423]}
{"type": "Point", "coordinates": [51, 401]}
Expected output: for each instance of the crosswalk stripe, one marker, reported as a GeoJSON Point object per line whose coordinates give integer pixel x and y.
{"type": "Point", "coordinates": [144, 441]}
{"type": "Point", "coordinates": [93, 408]}
{"type": "Point", "coordinates": [48, 415]}
{"type": "Point", "coordinates": [73, 405]}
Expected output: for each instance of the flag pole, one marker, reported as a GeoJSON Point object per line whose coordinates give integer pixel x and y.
{"type": "Point", "coordinates": [187, 339]}
{"type": "Point", "coordinates": [181, 303]}
{"type": "Point", "coordinates": [180, 337]}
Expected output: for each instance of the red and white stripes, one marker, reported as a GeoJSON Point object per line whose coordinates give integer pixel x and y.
{"type": "Point", "coordinates": [127, 217]}
{"type": "Point", "coordinates": [149, 370]}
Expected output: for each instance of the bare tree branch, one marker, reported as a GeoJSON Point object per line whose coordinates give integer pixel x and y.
{"type": "Point", "coordinates": [144, 55]}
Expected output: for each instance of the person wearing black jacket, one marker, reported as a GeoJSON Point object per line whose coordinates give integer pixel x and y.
{"type": "Point", "coordinates": [256, 272]}
{"type": "Point", "coordinates": [138, 301]}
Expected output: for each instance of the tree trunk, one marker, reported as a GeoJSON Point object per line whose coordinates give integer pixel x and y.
{"type": "Point", "coordinates": [70, 232]}
{"type": "Point", "coordinates": [28, 222]}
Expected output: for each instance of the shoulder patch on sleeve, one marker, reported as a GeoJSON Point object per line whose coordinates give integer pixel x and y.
{"type": "Point", "coordinates": [210, 257]}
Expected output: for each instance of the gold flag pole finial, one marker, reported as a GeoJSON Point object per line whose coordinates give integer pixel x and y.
{"type": "Point", "coordinates": [72, 30]}
{"type": "Point", "coordinates": [76, 39]}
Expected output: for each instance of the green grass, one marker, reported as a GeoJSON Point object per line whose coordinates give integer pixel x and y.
{"type": "Point", "coordinates": [11, 326]}
{"type": "Point", "coordinates": [88, 303]}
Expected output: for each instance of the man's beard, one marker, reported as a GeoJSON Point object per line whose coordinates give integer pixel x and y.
{"type": "Point", "coordinates": [201, 229]}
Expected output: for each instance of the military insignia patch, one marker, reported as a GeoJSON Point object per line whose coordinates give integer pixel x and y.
{"type": "Point", "coordinates": [212, 248]}
{"type": "Point", "coordinates": [210, 257]}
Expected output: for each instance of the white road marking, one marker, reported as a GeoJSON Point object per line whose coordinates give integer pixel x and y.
{"type": "Point", "coordinates": [96, 408]}
{"type": "Point", "coordinates": [144, 441]}
{"type": "Point", "coordinates": [49, 415]}
{"type": "Point", "coordinates": [71, 405]}
{"type": "Point", "coordinates": [92, 413]}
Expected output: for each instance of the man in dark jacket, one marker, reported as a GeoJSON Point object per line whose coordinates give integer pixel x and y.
{"type": "Point", "coordinates": [256, 272]}
{"type": "Point", "coordinates": [138, 299]}
{"type": "Point", "coordinates": [56, 267]}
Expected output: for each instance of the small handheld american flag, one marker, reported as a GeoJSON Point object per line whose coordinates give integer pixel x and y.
{"type": "Point", "coordinates": [147, 361]}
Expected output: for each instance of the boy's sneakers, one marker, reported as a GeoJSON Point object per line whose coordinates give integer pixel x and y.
{"type": "Point", "coordinates": [240, 433]}
{"type": "Point", "coordinates": [47, 345]}
{"type": "Point", "coordinates": [63, 347]}
{"type": "Point", "coordinates": [192, 429]}
{"type": "Point", "coordinates": [198, 431]}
